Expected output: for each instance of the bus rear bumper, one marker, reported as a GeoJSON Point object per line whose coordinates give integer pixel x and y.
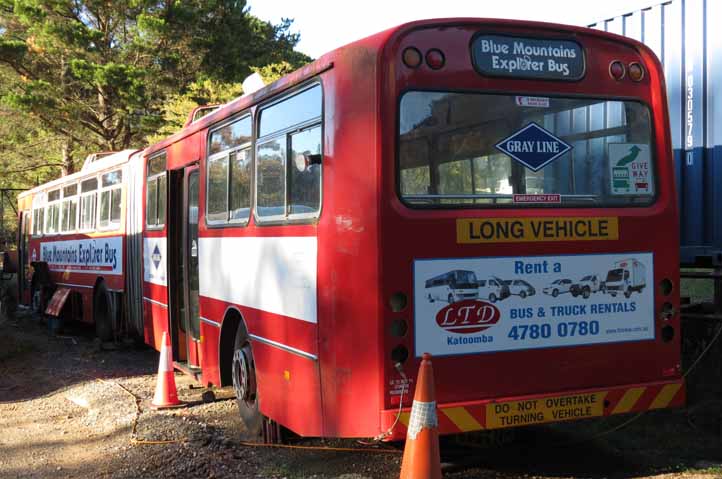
{"type": "Point", "coordinates": [508, 412]}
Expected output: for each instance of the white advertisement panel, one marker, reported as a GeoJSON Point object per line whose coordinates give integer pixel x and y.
{"type": "Point", "coordinates": [154, 261]}
{"type": "Point", "coordinates": [479, 305]}
{"type": "Point", "coordinates": [96, 255]}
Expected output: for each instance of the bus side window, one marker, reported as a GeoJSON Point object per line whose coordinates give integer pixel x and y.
{"type": "Point", "coordinates": [289, 157]}
{"type": "Point", "coordinates": [70, 208]}
{"type": "Point", "coordinates": [155, 192]}
{"type": "Point", "coordinates": [305, 194]}
{"type": "Point", "coordinates": [88, 203]}
{"type": "Point", "coordinates": [38, 215]}
{"type": "Point", "coordinates": [229, 173]}
{"type": "Point", "coordinates": [52, 212]}
{"type": "Point", "coordinates": [110, 197]}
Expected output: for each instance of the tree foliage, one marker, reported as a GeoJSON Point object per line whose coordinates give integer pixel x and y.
{"type": "Point", "coordinates": [98, 73]}
{"type": "Point", "coordinates": [81, 76]}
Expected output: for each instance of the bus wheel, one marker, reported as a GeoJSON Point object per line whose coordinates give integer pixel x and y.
{"type": "Point", "coordinates": [103, 313]}
{"type": "Point", "coordinates": [585, 293]}
{"type": "Point", "coordinates": [244, 384]}
{"type": "Point", "coordinates": [492, 298]}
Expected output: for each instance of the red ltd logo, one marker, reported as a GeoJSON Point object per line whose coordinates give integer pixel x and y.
{"type": "Point", "coordinates": [467, 317]}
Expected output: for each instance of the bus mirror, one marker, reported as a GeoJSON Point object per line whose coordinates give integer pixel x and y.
{"type": "Point", "coordinates": [313, 159]}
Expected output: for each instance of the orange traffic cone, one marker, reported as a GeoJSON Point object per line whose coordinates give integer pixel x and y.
{"type": "Point", "coordinates": [422, 459]}
{"type": "Point", "coordinates": [166, 394]}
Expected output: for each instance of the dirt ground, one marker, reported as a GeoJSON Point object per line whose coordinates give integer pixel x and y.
{"type": "Point", "coordinates": [68, 409]}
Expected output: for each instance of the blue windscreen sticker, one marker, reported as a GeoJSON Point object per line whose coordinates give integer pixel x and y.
{"type": "Point", "coordinates": [533, 146]}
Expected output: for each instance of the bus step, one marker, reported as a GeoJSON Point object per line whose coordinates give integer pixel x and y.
{"type": "Point", "coordinates": [184, 367]}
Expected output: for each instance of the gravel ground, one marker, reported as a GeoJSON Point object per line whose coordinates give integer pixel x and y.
{"type": "Point", "coordinates": [68, 409]}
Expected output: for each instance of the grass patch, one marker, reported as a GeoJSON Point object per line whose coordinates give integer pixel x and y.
{"type": "Point", "coordinates": [698, 290]}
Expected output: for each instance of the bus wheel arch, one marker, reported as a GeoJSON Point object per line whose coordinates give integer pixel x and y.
{"type": "Point", "coordinates": [231, 322]}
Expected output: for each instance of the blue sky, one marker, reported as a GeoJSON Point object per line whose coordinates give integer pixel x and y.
{"type": "Point", "coordinates": [325, 25]}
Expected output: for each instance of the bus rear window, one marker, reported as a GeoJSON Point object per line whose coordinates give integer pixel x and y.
{"type": "Point", "coordinates": [483, 150]}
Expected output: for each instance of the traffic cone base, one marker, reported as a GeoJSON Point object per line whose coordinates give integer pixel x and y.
{"type": "Point", "coordinates": [422, 457]}
{"type": "Point", "coordinates": [166, 394]}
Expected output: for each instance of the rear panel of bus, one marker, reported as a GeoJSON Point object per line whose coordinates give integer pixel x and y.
{"type": "Point", "coordinates": [517, 167]}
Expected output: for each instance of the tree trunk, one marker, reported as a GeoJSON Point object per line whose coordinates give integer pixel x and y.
{"type": "Point", "coordinates": [67, 159]}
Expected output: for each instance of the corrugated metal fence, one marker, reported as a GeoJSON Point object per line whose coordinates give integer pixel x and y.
{"type": "Point", "coordinates": [686, 35]}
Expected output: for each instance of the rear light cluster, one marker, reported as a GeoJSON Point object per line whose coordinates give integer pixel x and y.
{"type": "Point", "coordinates": [619, 71]}
{"type": "Point", "coordinates": [398, 328]}
{"type": "Point", "coordinates": [667, 312]}
{"type": "Point", "coordinates": [434, 58]}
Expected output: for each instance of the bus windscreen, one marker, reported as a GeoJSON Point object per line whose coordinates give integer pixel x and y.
{"type": "Point", "coordinates": [491, 150]}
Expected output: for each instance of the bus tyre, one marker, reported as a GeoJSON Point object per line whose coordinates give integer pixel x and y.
{"type": "Point", "coordinates": [492, 298]}
{"type": "Point", "coordinates": [585, 293]}
{"type": "Point", "coordinates": [103, 313]}
{"type": "Point", "coordinates": [244, 385]}
{"type": "Point", "coordinates": [555, 293]}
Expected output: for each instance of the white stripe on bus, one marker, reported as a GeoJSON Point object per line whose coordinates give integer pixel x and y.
{"type": "Point", "coordinates": [275, 274]}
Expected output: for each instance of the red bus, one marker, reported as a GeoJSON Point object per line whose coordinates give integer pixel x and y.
{"type": "Point", "coordinates": [78, 228]}
{"type": "Point", "coordinates": [483, 190]}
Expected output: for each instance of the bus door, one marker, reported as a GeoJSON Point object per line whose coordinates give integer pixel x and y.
{"type": "Point", "coordinates": [189, 252]}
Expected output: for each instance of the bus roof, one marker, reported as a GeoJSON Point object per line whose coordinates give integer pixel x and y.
{"type": "Point", "coordinates": [100, 164]}
{"type": "Point", "coordinates": [375, 42]}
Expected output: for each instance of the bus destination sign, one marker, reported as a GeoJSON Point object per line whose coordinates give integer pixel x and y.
{"type": "Point", "coordinates": [499, 55]}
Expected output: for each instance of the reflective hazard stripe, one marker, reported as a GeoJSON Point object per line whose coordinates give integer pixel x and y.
{"type": "Point", "coordinates": [472, 417]}
{"type": "Point", "coordinates": [665, 396]}
{"type": "Point", "coordinates": [630, 398]}
{"type": "Point", "coordinates": [462, 419]}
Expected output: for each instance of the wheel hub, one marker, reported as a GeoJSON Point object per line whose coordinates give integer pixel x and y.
{"type": "Point", "coordinates": [243, 375]}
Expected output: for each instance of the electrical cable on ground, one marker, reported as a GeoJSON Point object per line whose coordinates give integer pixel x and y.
{"type": "Point", "coordinates": [641, 413]}
{"type": "Point", "coordinates": [135, 441]}
{"type": "Point", "coordinates": [378, 439]}
{"type": "Point", "coordinates": [133, 432]}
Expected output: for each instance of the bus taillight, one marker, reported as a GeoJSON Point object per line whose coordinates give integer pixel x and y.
{"type": "Point", "coordinates": [617, 70]}
{"type": "Point", "coordinates": [636, 71]}
{"type": "Point", "coordinates": [435, 59]}
{"type": "Point", "coordinates": [411, 57]}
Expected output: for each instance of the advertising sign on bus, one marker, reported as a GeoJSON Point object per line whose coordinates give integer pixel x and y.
{"type": "Point", "coordinates": [98, 255]}
{"type": "Point", "coordinates": [532, 302]}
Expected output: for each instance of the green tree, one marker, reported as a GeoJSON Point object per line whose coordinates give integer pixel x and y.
{"type": "Point", "coordinates": [178, 106]}
{"type": "Point", "coordinates": [97, 74]}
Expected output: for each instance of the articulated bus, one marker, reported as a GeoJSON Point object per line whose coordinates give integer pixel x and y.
{"type": "Point", "coordinates": [289, 237]}
{"type": "Point", "coordinates": [79, 228]}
